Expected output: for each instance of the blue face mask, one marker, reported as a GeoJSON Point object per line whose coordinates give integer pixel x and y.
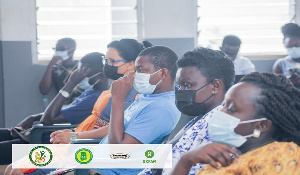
{"type": "Point", "coordinates": [221, 129]}
{"type": "Point", "coordinates": [85, 85]}
{"type": "Point", "coordinates": [142, 84]}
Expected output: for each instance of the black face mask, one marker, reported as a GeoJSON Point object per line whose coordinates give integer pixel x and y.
{"type": "Point", "coordinates": [185, 102]}
{"type": "Point", "coordinates": [111, 72]}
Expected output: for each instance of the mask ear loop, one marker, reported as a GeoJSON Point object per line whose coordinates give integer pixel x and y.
{"type": "Point", "coordinates": [95, 76]}
{"type": "Point", "coordinates": [256, 132]}
{"type": "Point", "coordinates": [159, 80]}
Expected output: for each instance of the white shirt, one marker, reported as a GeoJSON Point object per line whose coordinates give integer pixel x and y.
{"type": "Point", "coordinates": [286, 64]}
{"type": "Point", "coordinates": [243, 65]}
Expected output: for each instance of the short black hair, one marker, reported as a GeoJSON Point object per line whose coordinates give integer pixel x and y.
{"type": "Point", "coordinates": [231, 40]}
{"type": "Point", "coordinates": [162, 57]}
{"type": "Point", "coordinates": [129, 49]}
{"type": "Point", "coordinates": [290, 30]}
{"type": "Point", "coordinates": [279, 101]}
{"type": "Point", "coordinates": [71, 43]}
{"type": "Point", "coordinates": [94, 60]}
{"type": "Point", "coordinates": [213, 64]}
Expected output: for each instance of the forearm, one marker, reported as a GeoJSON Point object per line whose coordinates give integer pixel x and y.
{"type": "Point", "coordinates": [37, 117]}
{"type": "Point", "coordinates": [53, 110]}
{"type": "Point", "coordinates": [182, 167]}
{"type": "Point", "coordinates": [116, 128]}
{"type": "Point", "coordinates": [94, 134]}
{"type": "Point", "coordinates": [45, 84]}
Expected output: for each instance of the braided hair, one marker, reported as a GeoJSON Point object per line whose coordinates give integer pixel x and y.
{"type": "Point", "coordinates": [279, 101]}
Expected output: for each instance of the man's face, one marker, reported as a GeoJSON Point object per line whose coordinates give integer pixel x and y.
{"type": "Point", "coordinates": [143, 65]}
{"type": "Point", "coordinates": [230, 51]}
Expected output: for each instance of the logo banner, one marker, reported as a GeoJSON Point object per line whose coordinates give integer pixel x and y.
{"type": "Point", "coordinates": [92, 156]}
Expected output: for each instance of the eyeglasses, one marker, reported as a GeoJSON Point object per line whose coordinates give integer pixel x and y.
{"type": "Point", "coordinates": [111, 61]}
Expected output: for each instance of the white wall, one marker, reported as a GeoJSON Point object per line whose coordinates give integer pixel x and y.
{"type": "Point", "coordinates": [170, 18]}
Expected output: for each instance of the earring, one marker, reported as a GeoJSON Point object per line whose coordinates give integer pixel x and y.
{"type": "Point", "coordinates": [256, 133]}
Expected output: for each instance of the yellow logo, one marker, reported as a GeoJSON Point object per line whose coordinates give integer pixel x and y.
{"type": "Point", "coordinates": [83, 156]}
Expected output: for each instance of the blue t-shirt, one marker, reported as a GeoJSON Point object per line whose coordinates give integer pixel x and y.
{"type": "Point", "coordinates": [149, 119]}
{"type": "Point", "coordinates": [82, 107]}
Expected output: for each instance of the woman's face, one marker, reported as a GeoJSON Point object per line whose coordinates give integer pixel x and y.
{"type": "Point", "coordinates": [114, 59]}
{"type": "Point", "coordinates": [239, 102]}
{"type": "Point", "coordinates": [190, 78]}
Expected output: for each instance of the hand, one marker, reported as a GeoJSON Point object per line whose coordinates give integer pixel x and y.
{"type": "Point", "coordinates": [210, 154]}
{"type": "Point", "coordinates": [53, 134]}
{"type": "Point", "coordinates": [55, 60]}
{"type": "Point", "coordinates": [122, 87]}
{"type": "Point", "coordinates": [62, 138]}
{"type": "Point", "coordinates": [28, 121]}
{"type": "Point", "coordinates": [295, 79]}
{"type": "Point", "coordinates": [78, 75]}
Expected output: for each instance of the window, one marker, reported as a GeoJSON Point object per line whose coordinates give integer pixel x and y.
{"type": "Point", "coordinates": [257, 22]}
{"type": "Point", "coordinates": [92, 23]}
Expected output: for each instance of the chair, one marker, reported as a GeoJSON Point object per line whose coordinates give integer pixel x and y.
{"type": "Point", "coordinates": [38, 130]}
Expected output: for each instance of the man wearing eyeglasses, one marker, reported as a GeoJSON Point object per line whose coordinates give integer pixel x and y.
{"type": "Point", "coordinates": [60, 68]}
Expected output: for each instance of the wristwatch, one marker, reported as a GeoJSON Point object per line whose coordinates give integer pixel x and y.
{"type": "Point", "coordinates": [64, 93]}
{"type": "Point", "coordinates": [73, 137]}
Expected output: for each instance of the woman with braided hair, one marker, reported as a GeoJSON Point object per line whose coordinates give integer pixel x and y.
{"type": "Point", "coordinates": [256, 132]}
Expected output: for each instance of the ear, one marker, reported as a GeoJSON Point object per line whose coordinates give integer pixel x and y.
{"type": "Point", "coordinates": [264, 126]}
{"type": "Point", "coordinates": [217, 84]}
{"type": "Point", "coordinates": [164, 73]}
{"type": "Point", "coordinates": [131, 66]}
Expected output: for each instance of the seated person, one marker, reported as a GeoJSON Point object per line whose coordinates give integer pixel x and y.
{"type": "Point", "coordinates": [119, 61]}
{"type": "Point", "coordinates": [92, 67]}
{"type": "Point", "coordinates": [291, 41]}
{"type": "Point", "coordinates": [60, 68]}
{"type": "Point", "coordinates": [256, 132]}
{"type": "Point", "coordinates": [204, 76]}
{"type": "Point", "coordinates": [154, 114]}
{"type": "Point", "coordinates": [231, 46]}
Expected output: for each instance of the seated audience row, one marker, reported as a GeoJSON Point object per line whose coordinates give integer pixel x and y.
{"type": "Point", "coordinates": [259, 116]}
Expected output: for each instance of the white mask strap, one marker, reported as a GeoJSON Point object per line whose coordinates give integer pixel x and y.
{"type": "Point", "coordinates": [96, 82]}
{"type": "Point", "coordinates": [155, 72]}
{"type": "Point", "coordinates": [255, 120]}
{"type": "Point", "coordinates": [94, 75]}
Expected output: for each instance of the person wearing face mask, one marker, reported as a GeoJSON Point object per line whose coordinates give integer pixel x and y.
{"type": "Point", "coordinates": [256, 132]}
{"type": "Point", "coordinates": [119, 61]}
{"type": "Point", "coordinates": [92, 67]}
{"type": "Point", "coordinates": [203, 77]}
{"type": "Point", "coordinates": [154, 114]}
{"type": "Point", "coordinates": [231, 46]}
{"type": "Point", "coordinates": [60, 68]}
{"type": "Point", "coordinates": [290, 65]}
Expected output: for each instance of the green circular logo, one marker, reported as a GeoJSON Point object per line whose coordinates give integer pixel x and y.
{"type": "Point", "coordinates": [40, 156]}
{"type": "Point", "coordinates": [83, 156]}
{"type": "Point", "coordinates": [149, 153]}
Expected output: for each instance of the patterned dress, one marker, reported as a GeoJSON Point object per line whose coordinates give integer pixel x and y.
{"type": "Point", "coordinates": [194, 137]}
{"type": "Point", "coordinates": [274, 158]}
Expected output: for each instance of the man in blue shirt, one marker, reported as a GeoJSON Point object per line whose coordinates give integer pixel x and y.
{"type": "Point", "coordinates": [92, 67]}
{"type": "Point", "coordinates": [154, 114]}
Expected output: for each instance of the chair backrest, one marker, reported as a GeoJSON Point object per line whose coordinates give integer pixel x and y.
{"type": "Point", "coordinates": [184, 119]}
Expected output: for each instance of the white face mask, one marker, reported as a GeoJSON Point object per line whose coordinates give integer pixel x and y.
{"type": "Point", "coordinates": [63, 54]}
{"type": "Point", "coordinates": [294, 52]}
{"type": "Point", "coordinates": [85, 85]}
{"type": "Point", "coordinates": [142, 84]}
{"type": "Point", "coordinates": [221, 129]}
